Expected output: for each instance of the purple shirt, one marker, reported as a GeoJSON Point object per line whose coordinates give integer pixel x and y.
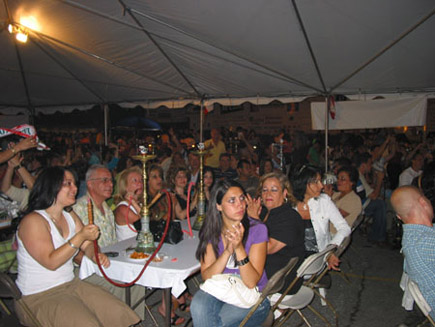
{"type": "Point", "coordinates": [257, 234]}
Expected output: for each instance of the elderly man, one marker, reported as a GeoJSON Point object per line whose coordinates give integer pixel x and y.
{"type": "Point", "coordinates": [418, 242]}
{"type": "Point", "coordinates": [100, 186]}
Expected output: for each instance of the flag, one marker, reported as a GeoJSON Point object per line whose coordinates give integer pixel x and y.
{"type": "Point", "coordinates": [24, 131]}
{"type": "Point", "coordinates": [332, 111]}
{"type": "Point", "coordinates": [207, 109]}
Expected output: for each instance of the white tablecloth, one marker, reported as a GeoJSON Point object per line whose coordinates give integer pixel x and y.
{"type": "Point", "coordinates": [179, 263]}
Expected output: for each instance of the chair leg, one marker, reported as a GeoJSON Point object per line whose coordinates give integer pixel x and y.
{"type": "Point", "coordinates": [251, 312]}
{"type": "Point", "coordinates": [283, 318]}
{"type": "Point", "coordinates": [303, 318]}
{"type": "Point", "coordinates": [318, 314]}
{"type": "Point", "coordinates": [343, 275]}
{"type": "Point", "coordinates": [322, 292]}
{"type": "Point", "coordinates": [5, 308]}
{"type": "Point", "coordinates": [329, 305]}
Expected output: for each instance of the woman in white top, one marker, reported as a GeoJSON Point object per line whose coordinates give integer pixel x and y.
{"type": "Point", "coordinates": [48, 238]}
{"type": "Point", "coordinates": [317, 210]}
{"type": "Point", "coordinates": [127, 200]}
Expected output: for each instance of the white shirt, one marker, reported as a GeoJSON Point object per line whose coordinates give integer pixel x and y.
{"type": "Point", "coordinates": [323, 211]}
{"type": "Point", "coordinates": [35, 278]}
{"type": "Point", "coordinates": [408, 175]}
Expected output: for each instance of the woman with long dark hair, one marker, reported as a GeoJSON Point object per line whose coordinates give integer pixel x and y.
{"type": "Point", "coordinates": [230, 243]}
{"type": "Point", "coordinates": [48, 239]}
{"type": "Point", "coordinates": [317, 210]}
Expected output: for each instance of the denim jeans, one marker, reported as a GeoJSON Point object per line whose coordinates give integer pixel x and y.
{"type": "Point", "coordinates": [208, 311]}
{"type": "Point", "coordinates": [378, 211]}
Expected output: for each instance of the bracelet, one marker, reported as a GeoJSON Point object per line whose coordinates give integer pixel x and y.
{"type": "Point", "coordinates": [72, 245]}
{"type": "Point", "coordinates": [14, 152]}
{"type": "Point", "coordinates": [242, 262]}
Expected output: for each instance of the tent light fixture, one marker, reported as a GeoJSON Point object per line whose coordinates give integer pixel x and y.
{"type": "Point", "coordinates": [20, 33]}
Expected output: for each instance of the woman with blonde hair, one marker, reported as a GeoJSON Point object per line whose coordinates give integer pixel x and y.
{"type": "Point", "coordinates": [128, 201]}
{"type": "Point", "coordinates": [286, 229]}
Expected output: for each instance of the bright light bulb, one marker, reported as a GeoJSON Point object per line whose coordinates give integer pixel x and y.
{"type": "Point", "coordinates": [10, 28]}
{"type": "Point", "coordinates": [21, 37]}
{"type": "Point", "coordinates": [29, 22]}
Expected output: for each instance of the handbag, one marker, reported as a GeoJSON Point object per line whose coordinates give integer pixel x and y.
{"type": "Point", "coordinates": [230, 289]}
{"type": "Point", "coordinates": [174, 235]}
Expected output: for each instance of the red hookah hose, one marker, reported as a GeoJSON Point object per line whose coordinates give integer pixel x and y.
{"type": "Point", "coordinates": [97, 259]}
{"type": "Point", "coordinates": [188, 210]}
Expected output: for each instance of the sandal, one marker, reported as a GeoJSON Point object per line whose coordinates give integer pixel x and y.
{"type": "Point", "coordinates": [176, 320]}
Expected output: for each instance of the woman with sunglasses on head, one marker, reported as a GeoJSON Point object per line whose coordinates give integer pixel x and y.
{"type": "Point", "coordinates": [127, 201]}
{"type": "Point", "coordinates": [230, 243]}
{"type": "Point", "coordinates": [317, 210]}
{"type": "Point", "coordinates": [48, 239]}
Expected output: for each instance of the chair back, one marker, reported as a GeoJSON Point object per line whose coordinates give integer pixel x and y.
{"type": "Point", "coordinates": [315, 262]}
{"type": "Point", "coordinates": [343, 246]}
{"type": "Point", "coordinates": [276, 282]}
{"type": "Point", "coordinates": [357, 222]}
{"type": "Point", "coordinates": [418, 297]}
{"type": "Point", "coordinates": [8, 289]}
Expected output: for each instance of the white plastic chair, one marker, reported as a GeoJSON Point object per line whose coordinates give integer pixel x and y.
{"type": "Point", "coordinates": [274, 285]}
{"type": "Point", "coordinates": [420, 300]}
{"type": "Point", "coordinates": [312, 266]}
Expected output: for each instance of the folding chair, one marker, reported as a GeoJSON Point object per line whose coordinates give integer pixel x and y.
{"type": "Point", "coordinates": [8, 289]}
{"type": "Point", "coordinates": [338, 253]}
{"type": "Point", "coordinates": [274, 285]}
{"type": "Point", "coordinates": [420, 300]}
{"type": "Point", "coordinates": [357, 222]}
{"type": "Point", "coordinates": [312, 266]}
{"type": "Point", "coordinates": [316, 284]}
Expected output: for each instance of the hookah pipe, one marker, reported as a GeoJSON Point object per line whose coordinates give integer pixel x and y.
{"type": "Point", "coordinates": [154, 200]}
{"type": "Point", "coordinates": [189, 232]}
{"type": "Point", "coordinates": [97, 259]}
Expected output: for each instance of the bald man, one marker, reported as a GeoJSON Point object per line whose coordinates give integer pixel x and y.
{"type": "Point", "coordinates": [418, 242]}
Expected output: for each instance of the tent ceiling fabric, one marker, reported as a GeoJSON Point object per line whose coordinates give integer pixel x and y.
{"type": "Point", "coordinates": [154, 52]}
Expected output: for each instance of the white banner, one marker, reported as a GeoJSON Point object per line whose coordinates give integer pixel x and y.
{"type": "Point", "coordinates": [380, 113]}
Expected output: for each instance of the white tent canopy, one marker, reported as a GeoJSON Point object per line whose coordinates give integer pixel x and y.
{"type": "Point", "coordinates": [173, 53]}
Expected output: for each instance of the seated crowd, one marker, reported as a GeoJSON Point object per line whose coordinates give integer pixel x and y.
{"type": "Point", "coordinates": [258, 217]}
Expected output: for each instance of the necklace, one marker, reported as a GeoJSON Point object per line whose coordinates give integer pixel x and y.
{"type": "Point", "coordinates": [304, 206]}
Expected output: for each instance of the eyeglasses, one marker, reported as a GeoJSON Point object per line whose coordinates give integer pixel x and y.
{"type": "Point", "coordinates": [272, 189]}
{"type": "Point", "coordinates": [343, 179]}
{"type": "Point", "coordinates": [315, 181]}
{"type": "Point", "coordinates": [104, 180]}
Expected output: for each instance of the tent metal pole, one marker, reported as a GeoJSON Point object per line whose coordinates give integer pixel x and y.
{"type": "Point", "coordinates": [326, 130]}
{"type": "Point", "coordinates": [106, 124]}
{"type": "Point", "coordinates": [201, 122]}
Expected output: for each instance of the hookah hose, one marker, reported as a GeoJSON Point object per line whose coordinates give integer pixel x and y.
{"type": "Point", "coordinates": [97, 259]}
{"type": "Point", "coordinates": [154, 200]}
{"type": "Point", "coordinates": [188, 210]}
